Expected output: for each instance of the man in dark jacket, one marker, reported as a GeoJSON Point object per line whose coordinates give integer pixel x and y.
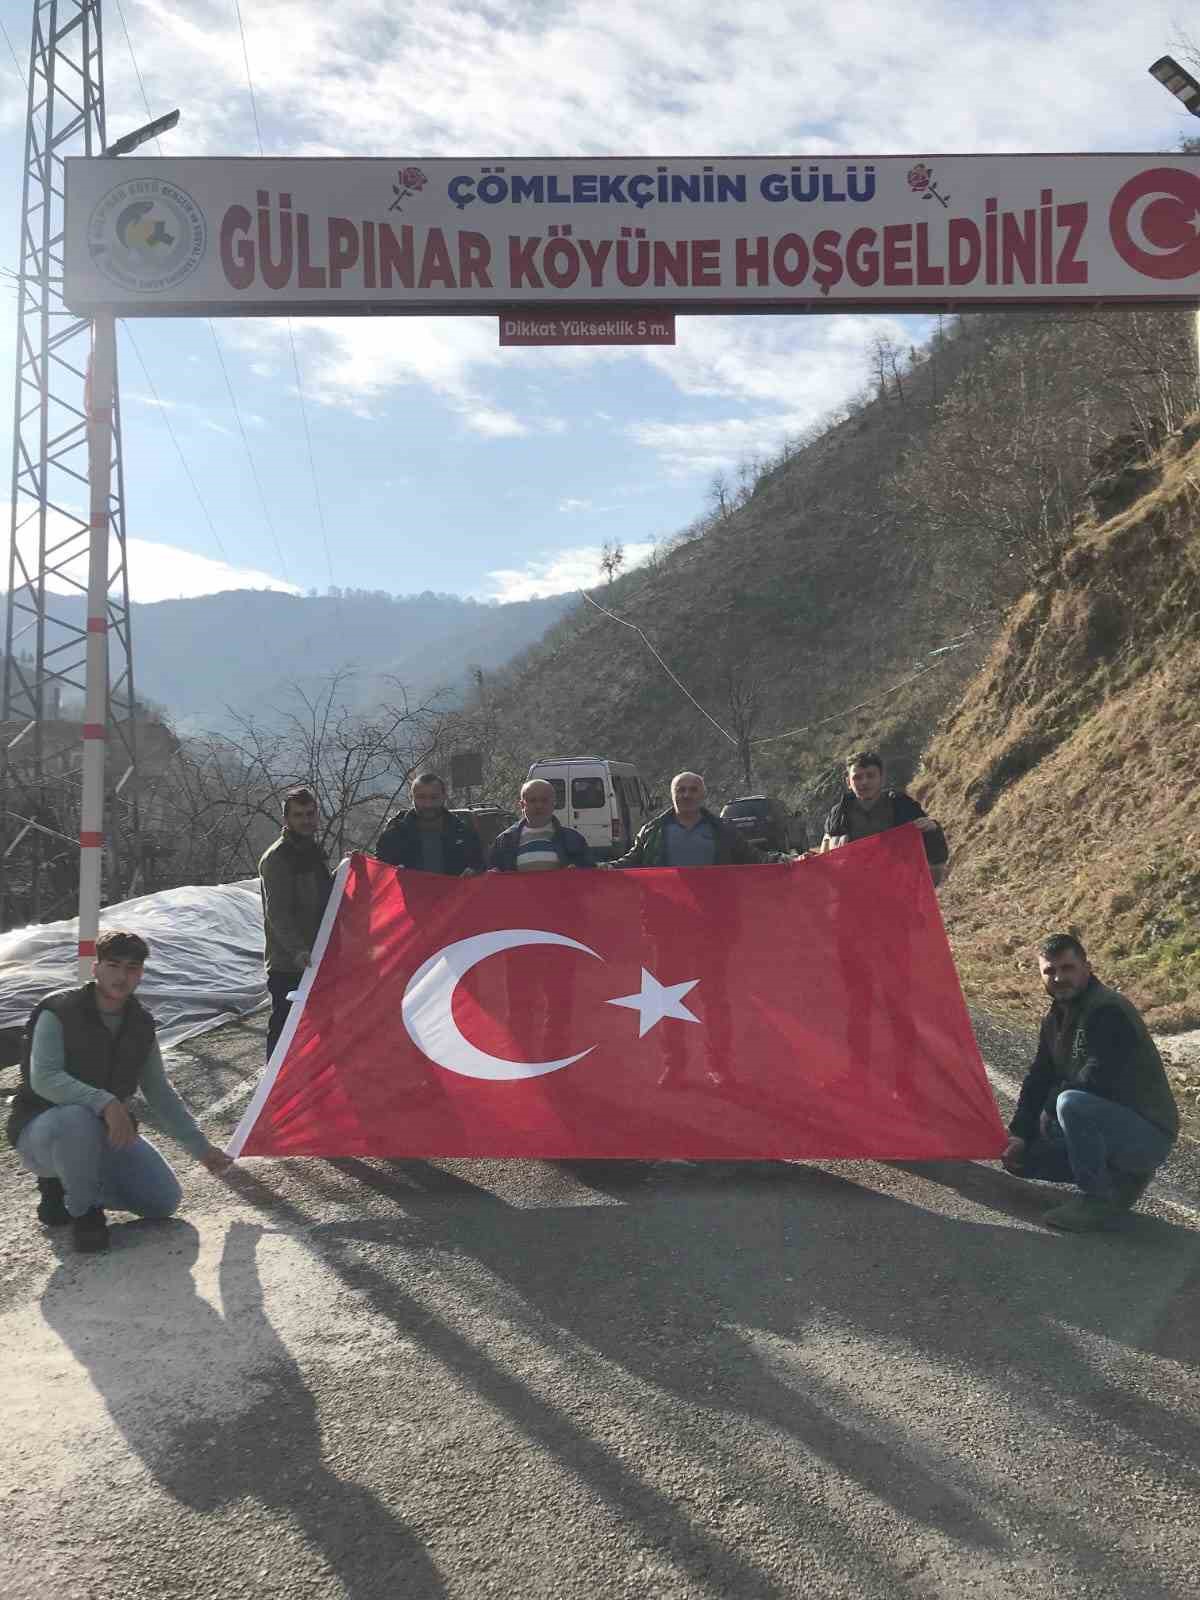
{"type": "Point", "coordinates": [688, 835]}
{"type": "Point", "coordinates": [539, 842]}
{"type": "Point", "coordinates": [867, 808]}
{"type": "Point", "coordinates": [430, 838]}
{"type": "Point", "coordinates": [85, 1052]}
{"type": "Point", "coordinates": [1096, 1108]}
{"type": "Point", "coordinates": [294, 879]}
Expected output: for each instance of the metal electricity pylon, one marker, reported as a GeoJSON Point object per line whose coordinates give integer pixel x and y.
{"type": "Point", "coordinates": [46, 631]}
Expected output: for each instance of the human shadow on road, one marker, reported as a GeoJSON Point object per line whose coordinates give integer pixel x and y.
{"type": "Point", "coordinates": [218, 1410]}
{"type": "Point", "coordinates": [667, 1286]}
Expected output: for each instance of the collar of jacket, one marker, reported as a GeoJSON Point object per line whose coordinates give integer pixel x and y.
{"type": "Point", "coordinates": [450, 823]}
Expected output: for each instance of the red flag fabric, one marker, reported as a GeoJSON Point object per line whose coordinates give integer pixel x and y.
{"type": "Point", "coordinates": [774, 1012]}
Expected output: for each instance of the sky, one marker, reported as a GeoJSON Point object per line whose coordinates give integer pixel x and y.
{"type": "Point", "coordinates": [438, 460]}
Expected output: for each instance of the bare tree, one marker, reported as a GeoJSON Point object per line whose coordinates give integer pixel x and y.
{"type": "Point", "coordinates": [612, 559]}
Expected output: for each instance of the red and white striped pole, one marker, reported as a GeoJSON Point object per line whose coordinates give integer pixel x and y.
{"type": "Point", "coordinates": [101, 376]}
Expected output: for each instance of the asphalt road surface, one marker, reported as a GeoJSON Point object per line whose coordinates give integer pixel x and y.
{"type": "Point", "coordinates": [400, 1380]}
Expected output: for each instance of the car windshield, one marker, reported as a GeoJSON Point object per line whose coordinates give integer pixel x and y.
{"type": "Point", "coordinates": [746, 808]}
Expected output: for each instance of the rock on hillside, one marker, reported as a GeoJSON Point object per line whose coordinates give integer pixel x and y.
{"type": "Point", "coordinates": [1066, 776]}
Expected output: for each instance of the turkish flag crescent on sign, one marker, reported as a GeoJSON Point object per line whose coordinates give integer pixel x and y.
{"type": "Point", "coordinates": [804, 1011]}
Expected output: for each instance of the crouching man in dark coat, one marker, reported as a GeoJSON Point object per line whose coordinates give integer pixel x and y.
{"type": "Point", "coordinates": [1096, 1108]}
{"type": "Point", "coordinates": [85, 1052]}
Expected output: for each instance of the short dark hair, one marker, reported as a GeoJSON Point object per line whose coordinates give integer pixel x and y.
{"type": "Point", "coordinates": [302, 795]}
{"type": "Point", "coordinates": [118, 944]}
{"type": "Point", "coordinates": [865, 758]}
{"type": "Point", "coordinates": [430, 777]}
{"type": "Point", "coordinates": [1061, 944]}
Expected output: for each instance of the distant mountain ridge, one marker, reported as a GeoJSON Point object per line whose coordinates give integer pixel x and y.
{"type": "Point", "coordinates": [242, 648]}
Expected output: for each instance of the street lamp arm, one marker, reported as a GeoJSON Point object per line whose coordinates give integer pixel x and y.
{"type": "Point", "coordinates": [130, 141]}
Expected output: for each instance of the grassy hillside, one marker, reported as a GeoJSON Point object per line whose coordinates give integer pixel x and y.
{"type": "Point", "coordinates": [1066, 775]}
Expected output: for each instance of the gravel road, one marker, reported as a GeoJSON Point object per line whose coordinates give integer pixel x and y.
{"type": "Point", "coordinates": [400, 1380]}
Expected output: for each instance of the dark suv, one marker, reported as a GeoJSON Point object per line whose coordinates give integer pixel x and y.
{"type": "Point", "coordinates": [766, 822]}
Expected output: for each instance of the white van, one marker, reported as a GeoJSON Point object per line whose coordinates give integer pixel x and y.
{"type": "Point", "coordinates": [606, 801]}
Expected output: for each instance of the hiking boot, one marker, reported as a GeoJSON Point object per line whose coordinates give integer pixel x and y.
{"type": "Point", "coordinates": [91, 1231]}
{"type": "Point", "coordinates": [52, 1207]}
{"type": "Point", "coordinates": [1129, 1187]}
{"type": "Point", "coordinates": [1086, 1213]}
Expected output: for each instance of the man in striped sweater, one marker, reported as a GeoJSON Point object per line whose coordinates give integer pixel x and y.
{"type": "Point", "coordinates": [538, 843]}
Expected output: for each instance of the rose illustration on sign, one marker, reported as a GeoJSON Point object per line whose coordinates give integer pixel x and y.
{"type": "Point", "coordinates": [920, 181]}
{"type": "Point", "coordinates": [409, 181]}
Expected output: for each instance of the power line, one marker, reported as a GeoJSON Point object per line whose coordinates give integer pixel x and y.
{"type": "Point", "coordinates": [13, 54]}
{"type": "Point", "coordinates": [216, 342]}
{"type": "Point", "coordinates": [682, 687]}
{"type": "Point", "coordinates": [249, 80]}
{"type": "Point", "coordinates": [943, 650]}
{"type": "Point", "coordinates": [249, 454]}
{"type": "Point", "coordinates": [312, 464]}
{"type": "Point", "coordinates": [162, 411]}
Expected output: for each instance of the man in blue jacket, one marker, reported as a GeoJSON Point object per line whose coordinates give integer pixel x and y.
{"type": "Point", "coordinates": [539, 842]}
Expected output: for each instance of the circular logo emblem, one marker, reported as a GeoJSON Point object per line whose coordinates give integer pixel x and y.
{"type": "Point", "coordinates": [147, 235]}
{"type": "Point", "coordinates": [1155, 223]}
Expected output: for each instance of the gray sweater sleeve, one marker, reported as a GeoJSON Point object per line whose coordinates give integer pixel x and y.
{"type": "Point", "coordinates": [48, 1075]}
{"type": "Point", "coordinates": [166, 1105]}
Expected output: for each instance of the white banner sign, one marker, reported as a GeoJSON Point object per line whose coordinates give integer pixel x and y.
{"type": "Point", "coordinates": [260, 237]}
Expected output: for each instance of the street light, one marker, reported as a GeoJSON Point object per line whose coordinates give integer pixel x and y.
{"type": "Point", "coordinates": [130, 141]}
{"type": "Point", "coordinates": [99, 390]}
{"type": "Point", "coordinates": [1179, 81]}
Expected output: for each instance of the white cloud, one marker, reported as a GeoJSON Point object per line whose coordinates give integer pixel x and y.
{"type": "Point", "coordinates": [156, 571]}
{"type": "Point", "coordinates": [570, 505]}
{"type": "Point", "coordinates": [557, 573]}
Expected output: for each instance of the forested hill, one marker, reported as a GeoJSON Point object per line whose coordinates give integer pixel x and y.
{"type": "Point", "coordinates": [847, 566]}
{"type": "Point", "coordinates": [245, 647]}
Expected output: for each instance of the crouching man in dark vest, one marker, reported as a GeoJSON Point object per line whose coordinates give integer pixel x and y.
{"type": "Point", "coordinates": [84, 1054]}
{"type": "Point", "coordinates": [1096, 1108]}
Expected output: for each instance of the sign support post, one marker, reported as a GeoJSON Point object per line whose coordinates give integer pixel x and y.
{"type": "Point", "coordinates": [95, 717]}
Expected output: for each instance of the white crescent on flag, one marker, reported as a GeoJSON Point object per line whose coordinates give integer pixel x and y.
{"type": "Point", "coordinates": [428, 1006]}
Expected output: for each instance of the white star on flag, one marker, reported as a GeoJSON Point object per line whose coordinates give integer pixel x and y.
{"type": "Point", "coordinates": [656, 1001]}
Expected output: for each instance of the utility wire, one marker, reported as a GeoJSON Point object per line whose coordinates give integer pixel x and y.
{"type": "Point", "coordinates": [249, 80]}
{"type": "Point", "coordinates": [312, 464]}
{"type": "Point", "coordinates": [212, 330]}
{"type": "Point", "coordinates": [13, 54]}
{"type": "Point", "coordinates": [680, 686]}
{"type": "Point", "coordinates": [943, 650]}
{"type": "Point", "coordinates": [162, 411]}
{"type": "Point", "coordinates": [862, 705]}
{"type": "Point", "coordinates": [249, 454]}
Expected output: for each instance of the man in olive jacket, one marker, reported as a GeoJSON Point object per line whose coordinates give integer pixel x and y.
{"type": "Point", "coordinates": [295, 880]}
{"type": "Point", "coordinates": [1096, 1108]}
{"type": "Point", "coordinates": [85, 1052]}
{"type": "Point", "coordinates": [688, 835]}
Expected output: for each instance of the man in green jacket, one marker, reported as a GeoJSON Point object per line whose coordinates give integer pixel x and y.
{"type": "Point", "coordinates": [688, 835]}
{"type": "Point", "coordinates": [295, 881]}
{"type": "Point", "coordinates": [85, 1052]}
{"type": "Point", "coordinates": [1096, 1108]}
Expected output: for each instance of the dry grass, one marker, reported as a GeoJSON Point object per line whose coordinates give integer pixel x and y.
{"type": "Point", "coordinates": [1066, 776]}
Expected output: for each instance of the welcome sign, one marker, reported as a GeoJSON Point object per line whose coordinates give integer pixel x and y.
{"type": "Point", "coordinates": [261, 237]}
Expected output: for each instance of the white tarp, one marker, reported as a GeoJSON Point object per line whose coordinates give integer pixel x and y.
{"type": "Point", "coordinates": [211, 237]}
{"type": "Point", "coordinates": [205, 966]}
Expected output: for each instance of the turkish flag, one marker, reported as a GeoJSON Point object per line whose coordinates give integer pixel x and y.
{"type": "Point", "coordinates": [803, 1011]}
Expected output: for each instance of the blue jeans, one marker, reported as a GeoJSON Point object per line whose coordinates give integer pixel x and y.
{"type": "Point", "coordinates": [71, 1143]}
{"type": "Point", "coordinates": [1093, 1139]}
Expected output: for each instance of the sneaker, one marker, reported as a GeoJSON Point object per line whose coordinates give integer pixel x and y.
{"type": "Point", "coordinates": [91, 1231]}
{"type": "Point", "coordinates": [1086, 1213]}
{"type": "Point", "coordinates": [1129, 1187]}
{"type": "Point", "coordinates": [52, 1207]}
